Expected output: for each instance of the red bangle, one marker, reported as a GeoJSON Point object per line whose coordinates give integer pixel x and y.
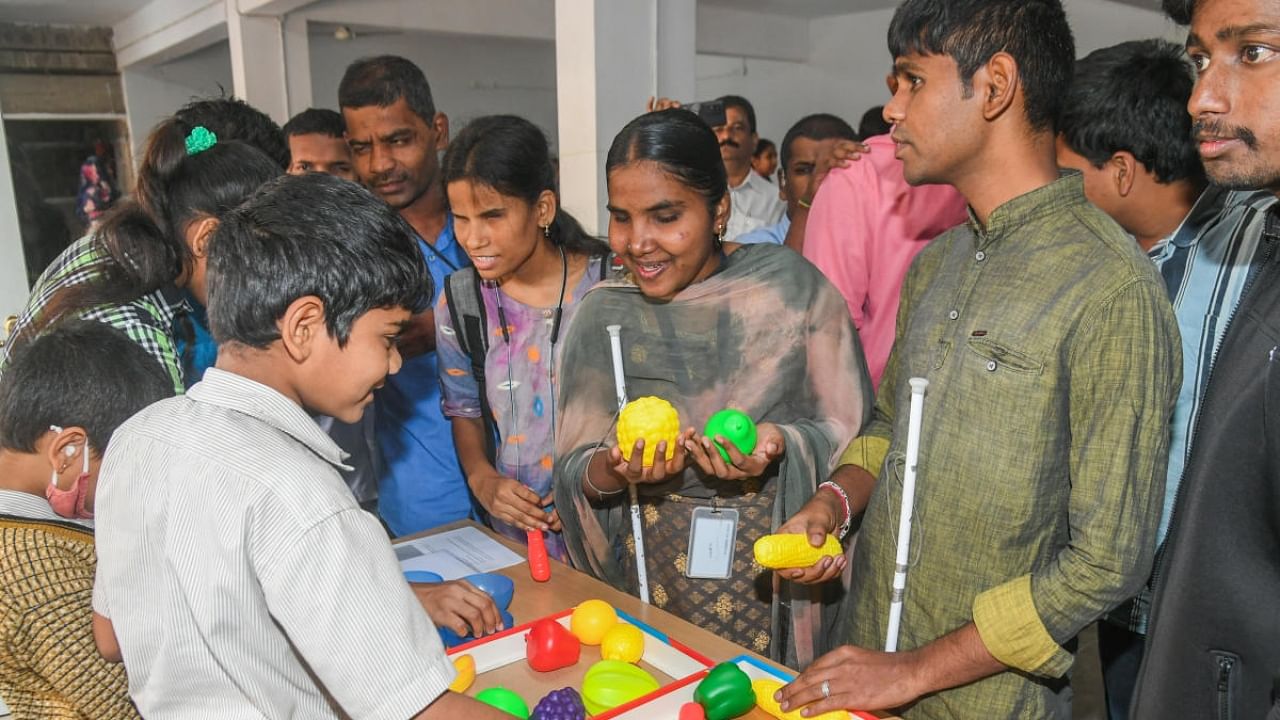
{"type": "Point", "coordinates": [844, 502]}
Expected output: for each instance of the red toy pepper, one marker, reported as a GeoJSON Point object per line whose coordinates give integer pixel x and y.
{"type": "Point", "coordinates": [549, 646]}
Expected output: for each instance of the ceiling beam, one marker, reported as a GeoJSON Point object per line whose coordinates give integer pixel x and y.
{"type": "Point", "coordinates": [165, 29]}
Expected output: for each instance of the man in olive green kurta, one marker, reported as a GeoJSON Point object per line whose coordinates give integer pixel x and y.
{"type": "Point", "coordinates": [1053, 361]}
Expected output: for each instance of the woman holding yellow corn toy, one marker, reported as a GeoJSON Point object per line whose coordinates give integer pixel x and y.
{"type": "Point", "coordinates": [705, 325]}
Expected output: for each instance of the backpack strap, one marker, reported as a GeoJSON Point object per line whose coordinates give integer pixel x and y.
{"type": "Point", "coordinates": [467, 315]}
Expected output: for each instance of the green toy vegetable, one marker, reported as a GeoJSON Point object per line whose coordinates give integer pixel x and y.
{"type": "Point", "coordinates": [735, 426]}
{"type": "Point", "coordinates": [725, 692]}
{"type": "Point", "coordinates": [610, 683]}
{"type": "Point", "coordinates": [505, 700]}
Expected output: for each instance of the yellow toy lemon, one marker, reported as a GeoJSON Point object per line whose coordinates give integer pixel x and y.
{"type": "Point", "coordinates": [624, 642]}
{"type": "Point", "coordinates": [653, 419]}
{"type": "Point", "coordinates": [591, 620]}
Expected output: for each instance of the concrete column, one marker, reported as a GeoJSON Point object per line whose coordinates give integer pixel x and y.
{"type": "Point", "coordinates": [610, 56]}
{"type": "Point", "coordinates": [297, 66]}
{"type": "Point", "coordinates": [258, 61]}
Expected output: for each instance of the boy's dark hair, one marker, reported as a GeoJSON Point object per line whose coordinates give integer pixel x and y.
{"type": "Point", "coordinates": [819, 126]}
{"type": "Point", "coordinates": [509, 154]}
{"type": "Point", "coordinates": [873, 123]}
{"type": "Point", "coordinates": [1133, 97]}
{"type": "Point", "coordinates": [743, 104]}
{"type": "Point", "coordinates": [316, 121]}
{"type": "Point", "coordinates": [1180, 11]}
{"type": "Point", "coordinates": [1034, 32]}
{"type": "Point", "coordinates": [383, 80]}
{"type": "Point", "coordinates": [311, 234]}
{"type": "Point", "coordinates": [80, 373]}
{"type": "Point", "coordinates": [233, 119]}
{"type": "Point", "coordinates": [763, 145]}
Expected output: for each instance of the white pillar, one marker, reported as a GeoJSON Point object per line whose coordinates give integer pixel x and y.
{"type": "Point", "coordinates": [610, 56]}
{"type": "Point", "coordinates": [258, 61]}
{"type": "Point", "coordinates": [297, 65]}
{"type": "Point", "coordinates": [13, 265]}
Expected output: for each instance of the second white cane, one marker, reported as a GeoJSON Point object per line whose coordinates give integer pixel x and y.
{"type": "Point", "coordinates": [620, 386]}
{"type": "Point", "coordinates": [914, 421]}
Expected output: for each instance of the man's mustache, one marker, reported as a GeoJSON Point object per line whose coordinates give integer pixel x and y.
{"type": "Point", "coordinates": [730, 143]}
{"type": "Point", "coordinates": [1202, 130]}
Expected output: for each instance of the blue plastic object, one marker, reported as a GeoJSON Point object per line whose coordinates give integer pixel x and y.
{"type": "Point", "coordinates": [499, 587]}
{"type": "Point", "coordinates": [451, 638]}
{"type": "Point", "coordinates": [422, 576]}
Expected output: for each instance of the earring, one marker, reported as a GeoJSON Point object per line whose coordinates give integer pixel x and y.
{"type": "Point", "coordinates": [546, 231]}
{"type": "Point", "coordinates": [720, 236]}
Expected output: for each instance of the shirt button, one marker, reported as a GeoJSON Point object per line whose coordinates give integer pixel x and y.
{"type": "Point", "coordinates": [980, 256]}
{"type": "Point", "coordinates": [991, 366]}
{"type": "Point", "coordinates": [953, 314]}
{"type": "Point", "coordinates": [546, 313]}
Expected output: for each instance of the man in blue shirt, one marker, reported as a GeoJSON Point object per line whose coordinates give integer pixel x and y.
{"type": "Point", "coordinates": [395, 135]}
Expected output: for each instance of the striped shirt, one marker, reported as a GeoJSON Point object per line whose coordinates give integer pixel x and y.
{"type": "Point", "coordinates": [147, 320]}
{"type": "Point", "coordinates": [1205, 264]}
{"type": "Point", "coordinates": [242, 579]}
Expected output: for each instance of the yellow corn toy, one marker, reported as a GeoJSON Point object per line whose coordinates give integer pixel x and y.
{"type": "Point", "coordinates": [653, 419]}
{"type": "Point", "coordinates": [764, 690]}
{"type": "Point", "coordinates": [466, 667]}
{"type": "Point", "coordinates": [793, 551]}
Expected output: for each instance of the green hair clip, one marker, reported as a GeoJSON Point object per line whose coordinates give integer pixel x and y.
{"type": "Point", "coordinates": [200, 139]}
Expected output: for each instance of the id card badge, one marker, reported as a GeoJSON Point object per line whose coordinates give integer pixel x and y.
{"type": "Point", "coordinates": [712, 533]}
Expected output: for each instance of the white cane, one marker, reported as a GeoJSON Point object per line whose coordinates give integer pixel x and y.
{"type": "Point", "coordinates": [620, 385]}
{"type": "Point", "coordinates": [918, 386]}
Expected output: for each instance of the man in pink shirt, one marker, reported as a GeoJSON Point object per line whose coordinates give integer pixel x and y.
{"type": "Point", "coordinates": [864, 228]}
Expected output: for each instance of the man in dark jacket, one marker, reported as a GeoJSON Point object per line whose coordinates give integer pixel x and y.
{"type": "Point", "coordinates": [1213, 649]}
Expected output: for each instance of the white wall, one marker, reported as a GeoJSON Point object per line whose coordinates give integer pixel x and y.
{"type": "Point", "coordinates": [849, 59]}
{"type": "Point", "coordinates": [155, 92]}
{"type": "Point", "coordinates": [13, 268]}
{"type": "Point", "coordinates": [470, 75]}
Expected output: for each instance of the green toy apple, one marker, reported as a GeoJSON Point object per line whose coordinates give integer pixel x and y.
{"type": "Point", "coordinates": [735, 426]}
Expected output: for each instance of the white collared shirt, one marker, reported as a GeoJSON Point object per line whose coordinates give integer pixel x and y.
{"type": "Point", "coordinates": [240, 575]}
{"type": "Point", "coordinates": [756, 204]}
{"type": "Point", "coordinates": [25, 505]}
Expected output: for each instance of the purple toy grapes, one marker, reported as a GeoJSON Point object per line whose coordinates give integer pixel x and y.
{"type": "Point", "coordinates": [562, 704]}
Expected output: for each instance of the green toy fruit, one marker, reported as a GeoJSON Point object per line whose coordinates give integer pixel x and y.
{"type": "Point", "coordinates": [725, 692]}
{"type": "Point", "coordinates": [735, 426]}
{"type": "Point", "coordinates": [505, 700]}
{"type": "Point", "coordinates": [610, 683]}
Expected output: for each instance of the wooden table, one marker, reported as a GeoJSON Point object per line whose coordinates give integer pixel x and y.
{"type": "Point", "coordinates": [568, 587]}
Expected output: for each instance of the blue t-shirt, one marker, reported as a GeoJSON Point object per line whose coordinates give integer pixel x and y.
{"type": "Point", "coordinates": [200, 352]}
{"type": "Point", "coordinates": [422, 485]}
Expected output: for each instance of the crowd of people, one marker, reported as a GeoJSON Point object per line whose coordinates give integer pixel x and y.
{"type": "Point", "coordinates": [288, 345]}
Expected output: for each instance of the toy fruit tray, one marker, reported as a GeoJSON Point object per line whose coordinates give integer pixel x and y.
{"type": "Point", "coordinates": [666, 702]}
{"type": "Point", "coordinates": [500, 662]}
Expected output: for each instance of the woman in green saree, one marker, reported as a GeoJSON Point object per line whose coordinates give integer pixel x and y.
{"type": "Point", "coordinates": [705, 325]}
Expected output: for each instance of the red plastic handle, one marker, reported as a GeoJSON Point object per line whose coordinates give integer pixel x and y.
{"type": "Point", "coordinates": [539, 565]}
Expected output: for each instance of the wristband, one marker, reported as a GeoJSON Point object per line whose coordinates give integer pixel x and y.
{"type": "Point", "coordinates": [844, 502]}
{"type": "Point", "coordinates": [586, 475]}
{"type": "Point", "coordinates": [806, 205]}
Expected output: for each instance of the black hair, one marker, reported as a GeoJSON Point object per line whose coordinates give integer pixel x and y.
{"type": "Point", "coordinates": [1034, 32]}
{"type": "Point", "coordinates": [383, 80]}
{"type": "Point", "coordinates": [316, 121]}
{"type": "Point", "coordinates": [1133, 97]}
{"type": "Point", "coordinates": [1180, 11]}
{"type": "Point", "coordinates": [763, 145]}
{"type": "Point", "coordinates": [510, 155]}
{"type": "Point", "coordinates": [682, 144]}
{"type": "Point", "coordinates": [233, 119]}
{"type": "Point", "coordinates": [81, 373]}
{"type": "Point", "coordinates": [743, 104]}
{"type": "Point", "coordinates": [873, 123]}
{"type": "Point", "coordinates": [311, 234]}
{"type": "Point", "coordinates": [819, 126]}
{"type": "Point", "coordinates": [142, 238]}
